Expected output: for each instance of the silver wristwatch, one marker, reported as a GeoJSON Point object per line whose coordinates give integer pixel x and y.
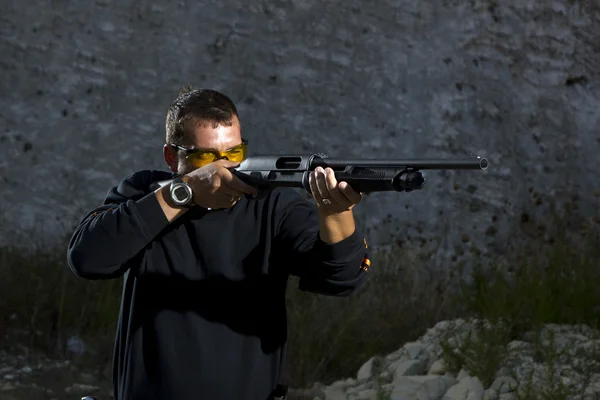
{"type": "Point", "coordinates": [181, 192]}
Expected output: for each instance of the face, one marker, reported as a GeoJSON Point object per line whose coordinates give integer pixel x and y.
{"type": "Point", "coordinates": [202, 136]}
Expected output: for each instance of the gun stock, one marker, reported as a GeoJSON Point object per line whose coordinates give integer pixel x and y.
{"type": "Point", "coordinates": [269, 171]}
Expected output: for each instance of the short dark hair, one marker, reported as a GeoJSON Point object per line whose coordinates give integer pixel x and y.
{"type": "Point", "coordinates": [200, 105]}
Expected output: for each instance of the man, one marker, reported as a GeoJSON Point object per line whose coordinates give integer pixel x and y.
{"type": "Point", "coordinates": [205, 263]}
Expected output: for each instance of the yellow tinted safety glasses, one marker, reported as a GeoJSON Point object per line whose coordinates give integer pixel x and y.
{"type": "Point", "coordinates": [199, 157]}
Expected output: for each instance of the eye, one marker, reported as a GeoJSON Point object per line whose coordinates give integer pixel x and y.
{"type": "Point", "coordinates": [200, 156]}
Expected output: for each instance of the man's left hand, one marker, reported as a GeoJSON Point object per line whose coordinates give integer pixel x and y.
{"type": "Point", "coordinates": [332, 197]}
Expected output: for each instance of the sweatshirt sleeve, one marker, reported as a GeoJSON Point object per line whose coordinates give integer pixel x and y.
{"type": "Point", "coordinates": [108, 238]}
{"type": "Point", "coordinates": [332, 269]}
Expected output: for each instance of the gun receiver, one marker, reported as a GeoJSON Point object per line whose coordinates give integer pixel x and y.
{"type": "Point", "coordinates": [268, 171]}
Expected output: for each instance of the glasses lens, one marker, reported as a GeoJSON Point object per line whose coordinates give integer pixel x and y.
{"type": "Point", "coordinates": [237, 154]}
{"type": "Point", "coordinates": [200, 159]}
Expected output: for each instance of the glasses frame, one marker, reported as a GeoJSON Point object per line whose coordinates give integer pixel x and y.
{"type": "Point", "coordinates": [217, 154]}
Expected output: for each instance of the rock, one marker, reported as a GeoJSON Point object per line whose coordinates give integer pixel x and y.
{"type": "Point", "coordinates": [80, 388]}
{"type": "Point", "coordinates": [367, 394]}
{"type": "Point", "coordinates": [421, 387]}
{"type": "Point", "coordinates": [462, 374]}
{"type": "Point", "coordinates": [342, 383]}
{"type": "Point", "coordinates": [415, 351]}
{"type": "Point", "coordinates": [386, 376]}
{"type": "Point", "coordinates": [356, 390]}
{"type": "Point", "coordinates": [6, 369]}
{"type": "Point", "coordinates": [305, 394]}
{"type": "Point", "coordinates": [506, 371]}
{"type": "Point", "coordinates": [366, 370]}
{"type": "Point", "coordinates": [437, 368]}
{"type": "Point", "coordinates": [7, 387]}
{"type": "Point", "coordinates": [335, 393]}
{"type": "Point", "coordinates": [490, 394]}
{"type": "Point", "coordinates": [76, 346]}
{"type": "Point", "coordinates": [594, 385]}
{"type": "Point", "coordinates": [87, 378]}
{"type": "Point", "coordinates": [412, 367]}
{"type": "Point", "coordinates": [504, 384]}
{"type": "Point", "coordinates": [466, 389]}
{"type": "Point", "coordinates": [443, 325]}
{"type": "Point", "coordinates": [349, 382]}
{"type": "Point", "coordinates": [395, 356]}
{"type": "Point", "coordinates": [518, 345]}
{"type": "Point", "coordinates": [507, 396]}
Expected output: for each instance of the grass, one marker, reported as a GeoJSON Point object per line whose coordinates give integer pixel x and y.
{"type": "Point", "coordinates": [47, 304]}
{"type": "Point", "coordinates": [547, 281]}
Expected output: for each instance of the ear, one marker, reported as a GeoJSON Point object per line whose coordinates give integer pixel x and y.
{"type": "Point", "coordinates": [170, 156]}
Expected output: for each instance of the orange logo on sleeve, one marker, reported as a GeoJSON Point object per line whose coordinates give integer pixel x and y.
{"type": "Point", "coordinates": [366, 263]}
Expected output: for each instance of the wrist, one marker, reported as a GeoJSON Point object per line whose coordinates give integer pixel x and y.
{"type": "Point", "coordinates": [171, 210]}
{"type": "Point", "coordinates": [335, 227]}
{"type": "Point", "coordinates": [325, 213]}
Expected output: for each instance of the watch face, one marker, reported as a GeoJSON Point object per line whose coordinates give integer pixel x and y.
{"type": "Point", "coordinates": [180, 193]}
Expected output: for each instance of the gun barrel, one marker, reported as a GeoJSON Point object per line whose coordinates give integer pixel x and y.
{"type": "Point", "coordinates": [467, 163]}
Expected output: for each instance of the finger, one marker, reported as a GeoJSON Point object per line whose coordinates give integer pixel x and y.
{"type": "Point", "coordinates": [223, 200]}
{"type": "Point", "coordinates": [235, 183]}
{"type": "Point", "coordinates": [229, 192]}
{"type": "Point", "coordinates": [353, 196]}
{"type": "Point", "coordinates": [321, 184]}
{"type": "Point", "coordinates": [227, 199]}
{"type": "Point", "coordinates": [206, 173]}
{"type": "Point", "coordinates": [334, 190]}
{"type": "Point", "coordinates": [227, 163]}
{"type": "Point", "coordinates": [312, 182]}
{"type": "Point", "coordinates": [223, 206]}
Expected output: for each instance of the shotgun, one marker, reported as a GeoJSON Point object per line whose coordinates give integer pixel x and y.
{"type": "Point", "coordinates": [403, 175]}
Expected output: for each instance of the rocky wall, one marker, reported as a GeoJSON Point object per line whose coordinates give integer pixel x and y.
{"type": "Point", "coordinates": [85, 87]}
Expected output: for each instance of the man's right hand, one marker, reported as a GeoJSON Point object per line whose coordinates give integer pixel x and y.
{"type": "Point", "coordinates": [215, 186]}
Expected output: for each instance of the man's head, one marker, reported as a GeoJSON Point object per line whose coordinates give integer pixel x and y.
{"type": "Point", "coordinates": [201, 119]}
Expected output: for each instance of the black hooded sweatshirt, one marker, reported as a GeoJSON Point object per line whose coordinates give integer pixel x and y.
{"type": "Point", "coordinates": [203, 311]}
